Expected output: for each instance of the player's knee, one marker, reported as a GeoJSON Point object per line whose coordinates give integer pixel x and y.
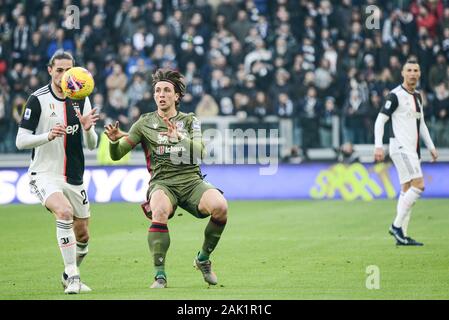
{"type": "Point", "coordinates": [160, 214]}
{"type": "Point", "coordinates": [220, 210]}
{"type": "Point", "coordinates": [64, 212]}
{"type": "Point", "coordinates": [419, 185]}
{"type": "Point", "coordinates": [83, 237]}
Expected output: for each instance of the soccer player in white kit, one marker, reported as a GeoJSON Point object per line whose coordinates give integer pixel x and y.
{"type": "Point", "coordinates": [404, 106]}
{"type": "Point", "coordinates": [54, 127]}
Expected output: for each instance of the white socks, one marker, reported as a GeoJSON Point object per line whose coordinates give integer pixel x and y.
{"type": "Point", "coordinates": [405, 222]}
{"type": "Point", "coordinates": [67, 245]}
{"type": "Point", "coordinates": [404, 208]}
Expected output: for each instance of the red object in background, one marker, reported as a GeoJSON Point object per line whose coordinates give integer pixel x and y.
{"type": "Point", "coordinates": [435, 11]}
{"type": "Point", "coordinates": [3, 66]}
{"type": "Point", "coordinates": [429, 22]}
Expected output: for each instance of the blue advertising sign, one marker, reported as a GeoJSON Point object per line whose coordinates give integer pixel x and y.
{"type": "Point", "coordinates": [245, 182]}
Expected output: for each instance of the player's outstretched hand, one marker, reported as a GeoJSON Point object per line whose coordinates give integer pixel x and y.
{"type": "Point", "coordinates": [57, 131]}
{"type": "Point", "coordinates": [434, 154]}
{"type": "Point", "coordinates": [379, 154]}
{"type": "Point", "coordinates": [113, 132]}
{"type": "Point", "coordinates": [88, 120]}
{"type": "Point", "coordinates": [172, 132]}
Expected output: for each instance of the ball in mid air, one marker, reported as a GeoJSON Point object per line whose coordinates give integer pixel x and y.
{"type": "Point", "coordinates": [77, 83]}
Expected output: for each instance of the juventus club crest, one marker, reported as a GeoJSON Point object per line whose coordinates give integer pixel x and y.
{"type": "Point", "coordinates": [76, 107]}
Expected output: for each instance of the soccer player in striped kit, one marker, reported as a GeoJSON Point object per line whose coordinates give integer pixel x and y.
{"type": "Point", "coordinates": [54, 127]}
{"type": "Point", "coordinates": [404, 106]}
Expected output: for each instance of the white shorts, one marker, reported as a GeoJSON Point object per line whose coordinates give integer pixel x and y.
{"type": "Point", "coordinates": [407, 165]}
{"type": "Point", "coordinates": [43, 185]}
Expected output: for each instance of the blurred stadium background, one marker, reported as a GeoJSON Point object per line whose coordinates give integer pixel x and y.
{"type": "Point", "coordinates": [317, 71]}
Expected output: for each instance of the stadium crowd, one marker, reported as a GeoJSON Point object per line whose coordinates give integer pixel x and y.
{"type": "Point", "coordinates": [306, 60]}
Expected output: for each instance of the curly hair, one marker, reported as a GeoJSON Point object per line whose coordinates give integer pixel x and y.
{"type": "Point", "coordinates": [172, 76]}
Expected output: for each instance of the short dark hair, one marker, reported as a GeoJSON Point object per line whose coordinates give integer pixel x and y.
{"type": "Point", "coordinates": [172, 76]}
{"type": "Point", "coordinates": [59, 55]}
{"type": "Point", "coordinates": [412, 60]}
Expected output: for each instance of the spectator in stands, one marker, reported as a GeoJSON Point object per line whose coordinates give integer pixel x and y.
{"type": "Point", "coordinates": [241, 105]}
{"type": "Point", "coordinates": [117, 80]}
{"type": "Point", "coordinates": [206, 107]}
{"type": "Point", "coordinates": [60, 42]}
{"type": "Point", "coordinates": [310, 110]}
{"type": "Point", "coordinates": [117, 108]}
{"type": "Point", "coordinates": [18, 105]}
{"type": "Point", "coordinates": [260, 106]}
{"type": "Point", "coordinates": [355, 110]}
{"type": "Point", "coordinates": [137, 88]}
{"type": "Point", "coordinates": [375, 104]}
{"type": "Point", "coordinates": [329, 112]}
{"type": "Point", "coordinates": [321, 43]}
{"type": "Point", "coordinates": [236, 54]}
{"type": "Point", "coordinates": [5, 123]}
{"type": "Point", "coordinates": [437, 73]}
{"type": "Point", "coordinates": [324, 78]}
{"type": "Point", "coordinates": [17, 78]}
{"type": "Point", "coordinates": [441, 113]}
{"type": "Point", "coordinates": [228, 9]}
{"type": "Point", "coordinates": [427, 20]}
{"type": "Point", "coordinates": [284, 106]}
{"type": "Point", "coordinates": [281, 83]}
{"type": "Point", "coordinates": [131, 22]}
{"type": "Point", "coordinates": [21, 37]}
{"type": "Point", "coordinates": [346, 154]}
{"type": "Point", "coordinates": [241, 26]}
{"type": "Point", "coordinates": [145, 105]}
{"type": "Point", "coordinates": [37, 51]}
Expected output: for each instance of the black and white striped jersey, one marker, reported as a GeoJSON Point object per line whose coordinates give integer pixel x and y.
{"type": "Point", "coordinates": [62, 156]}
{"type": "Point", "coordinates": [406, 112]}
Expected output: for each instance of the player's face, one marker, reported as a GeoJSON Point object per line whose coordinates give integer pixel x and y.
{"type": "Point", "coordinates": [165, 95]}
{"type": "Point", "coordinates": [411, 73]}
{"type": "Point", "coordinates": [57, 70]}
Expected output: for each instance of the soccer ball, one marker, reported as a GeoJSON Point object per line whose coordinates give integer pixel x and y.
{"type": "Point", "coordinates": [77, 83]}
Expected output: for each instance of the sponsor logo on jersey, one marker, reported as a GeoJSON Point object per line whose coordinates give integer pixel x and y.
{"type": "Point", "coordinates": [72, 129]}
{"type": "Point", "coordinates": [160, 150]}
{"type": "Point", "coordinates": [169, 149]}
{"type": "Point", "coordinates": [27, 114]}
{"type": "Point", "coordinates": [175, 149]}
{"type": "Point", "coordinates": [53, 114]}
{"type": "Point", "coordinates": [155, 125]}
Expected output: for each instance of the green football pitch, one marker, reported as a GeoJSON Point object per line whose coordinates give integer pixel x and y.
{"type": "Point", "coordinates": [270, 250]}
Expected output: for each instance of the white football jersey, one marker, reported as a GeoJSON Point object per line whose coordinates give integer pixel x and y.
{"type": "Point", "coordinates": [62, 156]}
{"type": "Point", "coordinates": [406, 112]}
